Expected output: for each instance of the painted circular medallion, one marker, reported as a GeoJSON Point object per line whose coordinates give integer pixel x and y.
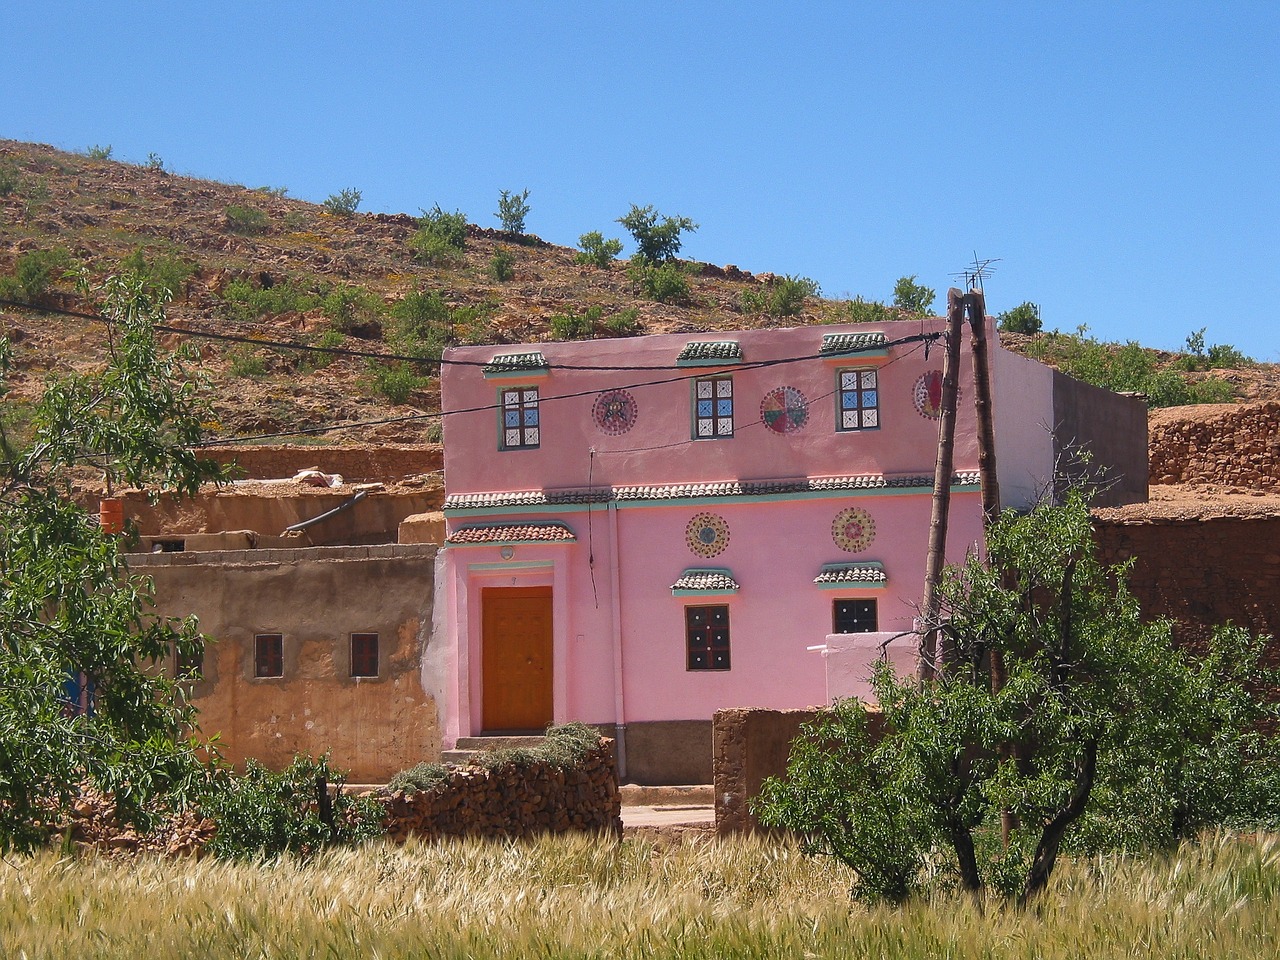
{"type": "Point", "coordinates": [707, 534]}
{"type": "Point", "coordinates": [615, 412]}
{"type": "Point", "coordinates": [853, 530]}
{"type": "Point", "coordinates": [927, 394]}
{"type": "Point", "coordinates": [784, 410]}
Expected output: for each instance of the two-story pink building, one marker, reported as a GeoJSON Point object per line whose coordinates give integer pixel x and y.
{"type": "Point", "coordinates": [643, 531]}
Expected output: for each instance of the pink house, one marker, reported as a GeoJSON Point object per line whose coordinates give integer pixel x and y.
{"type": "Point", "coordinates": [643, 531]}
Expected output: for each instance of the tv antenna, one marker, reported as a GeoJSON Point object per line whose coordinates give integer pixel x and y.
{"type": "Point", "coordinates": [976, 272]}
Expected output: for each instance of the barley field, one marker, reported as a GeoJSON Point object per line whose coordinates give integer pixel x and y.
{"type": "Point", "coordinates": [582, 897]}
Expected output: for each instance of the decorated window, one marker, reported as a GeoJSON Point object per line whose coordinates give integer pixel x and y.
{"type": "Point", "coordinates": [712, 408]}
{"type": "Point", "coordinates": [707, 637]}
{"type": "Point", "coordinates": [858, 399]}
{"type": "Point", "coordinates": [520, 426]}
{"type": "Point", "coordinates": [268, 655]}
{"type": "Point", "coordinates": [364, 655]}
{"type": "Point", "coordinates": [854, 616]}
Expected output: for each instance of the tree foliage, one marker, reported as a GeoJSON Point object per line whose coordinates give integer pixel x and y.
{"type": "Point", "coordinates": [512, 209]}
{"type": "Point", "coordinates": [1100, 734]}
{"type": "Point", "coordinates": [914, 298]}
{"type": "Point", "coordinates": [657, 237]}
{"type": "Point", "coordinates": [1024, 318]}
{"type": "Point", "coordinates": [81, 697]}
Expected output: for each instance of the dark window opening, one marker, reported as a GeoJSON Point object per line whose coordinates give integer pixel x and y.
{"type": "Point", "coordinates": [854, 616]}
{"type": "Point", "coordinates": [168, 546]}
{"type": "Point", "coordinates": [707, 637]}
{"type": "Point", "coordinates": [364, 655]}
{"type": "Point", "coordinates": [268, 655]}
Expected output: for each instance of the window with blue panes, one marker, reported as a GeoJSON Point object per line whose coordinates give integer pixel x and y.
{"type": "Point", "coordinates": [858, 398]}
{"type": "Point", "coordinates": [712, 408]}
{"type": "Point", "coordinates": [520, 426]}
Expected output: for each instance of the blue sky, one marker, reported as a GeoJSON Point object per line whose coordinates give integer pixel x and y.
{"type": "Point", "coordinates": [1122, 160]}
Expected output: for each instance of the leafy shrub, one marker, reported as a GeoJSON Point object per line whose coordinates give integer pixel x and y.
{"type": "Point", "coordinates": [423, 324]}
{"type": "Point", "coordinates": [663, 282]}
{"type": "Point", "coordinates": [1024, 318]}
{"type": "Point", "coordinates": [155, 162]}
{"type": "Point", "coordinates": [868, 311]}
{"type": "Point", "coordinates": [395, 382]}
{"type": "Point", "coordinates": [264, 814]}
{"type": "Point", "coordinates": [98, 152]}
{"type": "Point", "coordinates": [512, 209]}
{"type": "Point", "coordinates": [350, 307]}
{"type": "Point", "coordinates": [564, 747]}
{"type": "Point", "coordinates": [296, 220]}
{"type": "Point", "coordinates": [624, 323]}
{"type": "Point", "coordinates": [656, 236]}
{"type": "Point", "coordinates": [313, 360]}
{"type": "Point", "coordinates": [596, 250]}
{"type": "Point", "coordinates": [9, 178]}
{"type": "Point", "coordinates": [915, 298]}
{"type": "Point", "coordinates": [164, 272]}
{"type": "Point", "coordinates": [575, 326]}
{"type": "Point", "coordinates": [277, 192]}
{"type": "Point", "coordinates": [420, 778]}
{"type": "Point", "coordinates": [245, 362]}
{"type": "Point", "coordinates": [241, 300]}
{"type": "Point", "coordinates": [435, 432]}
{"type": "Point", "coordinates": [440, 238]}
{"type": "Point", "coordinates": [501, 265]}
{"type": "Point", "coordinates": [782, 298]}
{"type": "Point", "coordinates": [245, 220]}
{"type": "Point", "coordinates": [344, 203]}
{"type": "Point", "coordinates": [34, 273]}
{"type": "Point", "coordinates": [1223, 356]}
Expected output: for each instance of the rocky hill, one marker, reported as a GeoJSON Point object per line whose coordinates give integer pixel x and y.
{"type": "Point", "coordinates": [256, 264]}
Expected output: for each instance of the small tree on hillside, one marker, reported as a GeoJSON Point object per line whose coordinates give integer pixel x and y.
{"type": "Point", "coordinates": [914, 298]}
{"type": "Point", "coordinates": [512, 209]}
{"type": "Point", "coordinates": [657, 237]}
{"type": "Point", "coordinates": [1024, 318]}
{"type": "Point", "coordinates": [81, 700]}
{"type": "Point", "coordinates": [1101, 735]}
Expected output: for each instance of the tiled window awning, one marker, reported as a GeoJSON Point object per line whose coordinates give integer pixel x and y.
{"type": "Point", "coordinates": [699, 581]}
{"type": "Point", "coordinates": [869, 573]}
{"type": "Point", "coordinates": [550, 532]}
{"type": "Point", "coordinates": [854, 344]}
{"type": "Point", "coordinates": [513, 364]}
{"type": "Point", "coordinates": [710, 353]}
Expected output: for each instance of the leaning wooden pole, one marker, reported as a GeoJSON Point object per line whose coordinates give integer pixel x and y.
{"type": "Point", "coordinates": [927, 666]}
{"type": "Point", "coordinates": [976, 308]}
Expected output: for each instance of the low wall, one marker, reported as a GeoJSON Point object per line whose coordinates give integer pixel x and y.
{"type": "Point", "coordinates": [1226, 444]}
{"type": "Point", "coordinates": [513, 801]}
{"type": "Point", "coordinates": [356, 463]}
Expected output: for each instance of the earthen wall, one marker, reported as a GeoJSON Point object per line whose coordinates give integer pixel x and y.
{"type": "Point", "coordinates": [1227, 444]}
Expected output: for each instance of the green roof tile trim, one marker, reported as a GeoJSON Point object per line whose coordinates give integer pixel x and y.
{"type": "Point", "coordinates": [700, 581]}
{"type": "Point", "coordinates": [869, 573]}
{"type": "Point", "coordinates": [710, 353]}
{"type": "Point", "coordinates": [533, 361]}
{"type": "Point", "coordinates": [839, 344]}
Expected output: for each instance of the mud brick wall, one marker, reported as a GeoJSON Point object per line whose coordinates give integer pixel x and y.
{"type": "Point", "coordinates": [356, 463]}
{"type": "Point", "coordinates": [1216, 443]}
{"type": "Point", "coordinates": [513, 801]}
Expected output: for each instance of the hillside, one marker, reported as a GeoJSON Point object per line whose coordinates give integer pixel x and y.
{"type": "Point", "coordinates": [260, 265]}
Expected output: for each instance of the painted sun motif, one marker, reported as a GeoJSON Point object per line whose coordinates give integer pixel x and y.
{"type": "Point", "coordinates": [615, 412]}
{"type": "Point", "coordinates": [784, 410]}
{"type": "Point", "coordinates": [853, 530]}
{"type": "Point", "coordinates": [927, 394]}
{"type": "Point", "coordinates": [707, 534]}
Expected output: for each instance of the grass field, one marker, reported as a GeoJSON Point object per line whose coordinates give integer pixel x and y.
{"type": "Point", "coordinates": [582, 897]}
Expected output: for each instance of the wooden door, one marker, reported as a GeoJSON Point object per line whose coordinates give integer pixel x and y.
{"type": "Point", "coordinates": [516, 661]}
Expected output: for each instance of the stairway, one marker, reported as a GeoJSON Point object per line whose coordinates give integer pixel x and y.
{"type": "Point", "coordinates": [467, 747]}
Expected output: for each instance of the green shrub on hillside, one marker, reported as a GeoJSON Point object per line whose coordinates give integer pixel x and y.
{"type": "Point", "coordinates": [163, 271]}
{"type": "Point", "coordinates": [866, 311]}
{"type": "Point", "coordinates": [34, 273]}
{"type": "Point", "coordinates": [248, 221]}
{"type": "Point", "coordinates": [241, 300]}
{"type": "Point", "coordinates": [98, 152]}
{"type": "Point", "coordinates": [657, 237]}
{"type": "Point", "coordinates": [393, 381]}
{"type": "Point", "coordinates": [344, 203]}
{"type": "Point", "coordinates": [1024, 318]}
{"type": "Point", "coordinates": [352, 306]}
{"type": "Point", "coordinates": [596, 250]}
{"type": "Point", "coordinates": [913, 298]}
{"type": "Point", "coordinates": [512, 209]}
{"type": "Point", "coordinates": [502, 265]}
{"type": "Point", "coordinates": [663, 282]}
{"type": "Point", "coordinates": [441, 237]}
{"type": "Point", "coordinates": [782, 298]}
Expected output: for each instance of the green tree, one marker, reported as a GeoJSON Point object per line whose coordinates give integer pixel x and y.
{"type": "Point", "coordinates": [1101, 733]}
{"type": "Point", "coordinates": [1024, 318]}
{"type": "Point", "coordinates": [512, 209]}
{"type": "Point", "coordinates": [441, 236]}
{"type": "Point", "coordinates": [344, 203]}
{"type": "Point", "coordinates": [596, 251]}
{"type": "Point", "coordinates": [657, 237]}
{"type": "Point", "coordinates": [914, 298]}
{"type": "Point", "coordinates": [71, 614]}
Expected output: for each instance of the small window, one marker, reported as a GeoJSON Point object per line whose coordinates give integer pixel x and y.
{"type": "Point", "coordinates": [858, 397]}
{"type": "Point", "coordinates": [520, 427]}
{"type": "Point", "coordinates": [268, 655]}
{"type": "Point", "coordinates": [364, 655]}
{"type": "Point", "coordinates": [854, 616]}
{"type": "Point", "coordinates": [713, 408]}
{"type": "Point", "coordinates": [707, 637]}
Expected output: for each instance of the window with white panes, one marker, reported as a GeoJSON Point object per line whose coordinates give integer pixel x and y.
{"type": "Point", "coordinates": [520, 427]}
{"type": "Point", "coordinates": [858, 399]}
{"type": "Point", "coordinates": [712, 408]}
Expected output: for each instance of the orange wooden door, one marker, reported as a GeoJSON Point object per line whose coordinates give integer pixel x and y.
{"type": "Point", "coordinates": [516, 661]}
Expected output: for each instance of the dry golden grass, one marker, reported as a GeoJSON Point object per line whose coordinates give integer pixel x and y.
{"type": "Point", "coordinates": [583, 897]}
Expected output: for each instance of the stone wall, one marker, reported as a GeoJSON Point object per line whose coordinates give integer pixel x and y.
{"type": "Point", "coordinates": [315, 598]}
{"type": "Point", "coordinates": [1229, 444]}
{"type": "Point", "coordinates": [356, 463]}
{"type": "Point", "coordinates": [513, 801]}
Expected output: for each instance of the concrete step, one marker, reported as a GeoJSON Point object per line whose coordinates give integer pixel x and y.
{"type": "Point", "coordinates": [682, 795]}
{"type": "Point", "coordinates": [498, 742]}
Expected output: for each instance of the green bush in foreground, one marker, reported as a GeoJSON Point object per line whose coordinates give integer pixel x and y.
{"type": "Point", "coordinates": [1102, 734]}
